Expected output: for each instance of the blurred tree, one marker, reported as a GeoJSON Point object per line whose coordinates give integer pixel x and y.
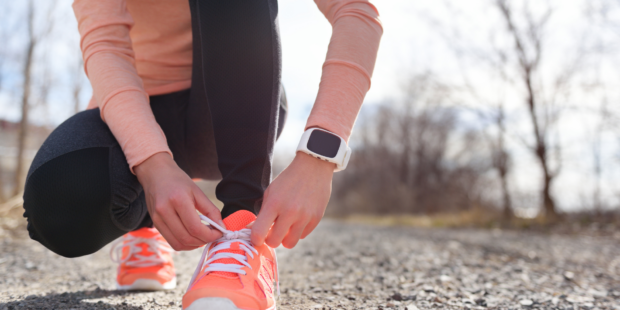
{"type": "Point", "coordinates": [514, 59]}
{"type": "Point", "coordinates": [501, 161]}
{"type": "Point", "coordinates": [31, 43]}
{"type": "Point", "coordinates": [33, 40]}
{"type": "Point", "coordinates": [413, 156]}
{"type": "Point", "coordinates": [2, 195]}
{"type": "Point", "coordinates": [494, 117]}
{"type": "Point", "coordinates": [528, 50]}
{"type": "Point", "coordinates": [604, 15]}
{"type": "Point", "coordinates": [3, 56]}
{"type": "Point", "coordinates": [77, 79]}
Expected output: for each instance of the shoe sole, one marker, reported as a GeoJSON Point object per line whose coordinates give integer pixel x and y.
{"type": "Point", "coordinates": [148, 285]}
{"type": "Point", "coordinates": [215, 303]}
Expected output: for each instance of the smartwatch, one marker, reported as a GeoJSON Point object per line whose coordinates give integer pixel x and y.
{"type": "Point", "coordinates": [326, 146]}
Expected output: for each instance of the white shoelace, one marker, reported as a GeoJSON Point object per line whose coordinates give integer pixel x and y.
{"type": "Point", "coordinates": [229, 237]}
{"type": "Point", "coordinates": [154, 246]}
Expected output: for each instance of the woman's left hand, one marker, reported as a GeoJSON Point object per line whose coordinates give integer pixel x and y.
{"type": "Point", "coordinates": [294, 203]}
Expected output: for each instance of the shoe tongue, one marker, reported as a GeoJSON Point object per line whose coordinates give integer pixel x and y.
{"type": "Point", "coordinates": [239, 220]}
{"type": "Point", "coordinates": [234, 222]}
{"type": "Point", "coordinates": [146, 233]}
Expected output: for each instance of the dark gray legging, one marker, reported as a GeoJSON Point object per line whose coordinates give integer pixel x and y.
{"type": "Point", "coordinates": [80, 194]}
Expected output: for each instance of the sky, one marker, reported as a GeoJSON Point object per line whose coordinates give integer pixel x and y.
{"type": "Point", "coordinates": [415, 41]}
{"type": "Point", "coordinates": [305, 36]}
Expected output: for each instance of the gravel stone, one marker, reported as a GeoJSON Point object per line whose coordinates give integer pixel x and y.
{"type": "Point", "coordinates": [350, 266]}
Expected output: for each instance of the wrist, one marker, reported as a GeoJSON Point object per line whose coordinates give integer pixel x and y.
{"type": "Point", "coordinates": [314, 163]}
{"type": "Point", "coordinates": [152, 165]}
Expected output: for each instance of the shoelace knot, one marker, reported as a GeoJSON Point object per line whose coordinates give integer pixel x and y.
{"type": "Point", "coordinates": [228, 238]}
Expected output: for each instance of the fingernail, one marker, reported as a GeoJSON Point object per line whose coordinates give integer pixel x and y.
{"type": "Point", "coordinates": [250, 225]}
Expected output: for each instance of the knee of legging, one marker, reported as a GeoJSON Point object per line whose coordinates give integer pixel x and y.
{"type": "Point", "coordinates": [67, 203]}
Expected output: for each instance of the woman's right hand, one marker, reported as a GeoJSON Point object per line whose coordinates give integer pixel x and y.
{"type": "Point", "coordinates": [172, 199]}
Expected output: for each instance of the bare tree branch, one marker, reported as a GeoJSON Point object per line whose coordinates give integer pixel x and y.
{"type": "Point", "coordinates": [35, 35]}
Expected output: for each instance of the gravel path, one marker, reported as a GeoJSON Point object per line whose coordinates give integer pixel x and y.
{"type": "Point", "coordinates": [349, 266]}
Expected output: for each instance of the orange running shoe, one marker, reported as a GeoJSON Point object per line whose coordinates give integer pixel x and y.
{"type": "Point", "coordinates": [145, 261]}
{"type": "Point", "coordinates": [232, 273]}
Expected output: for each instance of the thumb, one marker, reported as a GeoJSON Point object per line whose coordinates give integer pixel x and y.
{"type": "Point", "coordinates": [262, 225]}
{"type": "Point", "coordinates": [207, 208]}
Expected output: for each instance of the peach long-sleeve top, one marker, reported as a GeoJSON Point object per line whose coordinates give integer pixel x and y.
{"type": "Point", "coordinates": [136, 48]}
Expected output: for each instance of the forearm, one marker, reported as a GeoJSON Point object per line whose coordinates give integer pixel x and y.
{"type": "Point", "coordinates": [349, 64]}
{"type": "Point", "coordinates": [132, 123]}
{"type": "Point", "coordinates": [118, 90]}
{"type": "Point", "coordinates": [125, 107]}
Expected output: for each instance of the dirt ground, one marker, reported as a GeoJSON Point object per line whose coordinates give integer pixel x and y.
{"type": "Point", "coordinates": [354, 266]}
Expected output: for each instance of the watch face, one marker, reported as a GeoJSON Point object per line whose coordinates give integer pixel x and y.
{"type": "Point", "coordinates": [324, 143]}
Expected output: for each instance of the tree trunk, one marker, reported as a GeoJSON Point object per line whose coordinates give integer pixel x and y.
{"type": "Point", "coordinates": [548, 201]}
{"type": "Point", "coordinates": [23, 124]}
{"type": "Point", "coordinates": [507, 202]}
{"type": "Point", "coordinates": [2, 196]}
{"type": "Point", "coordinates": [502, 165]}
{"type": "Point", "coordinates": [541, 154]}
{"type": "Point", "coordinates": [76, 99]}
{"type": "Point", "coordinates": [77, 87]}
{"type": "Point", "coordinates": [528, 65]}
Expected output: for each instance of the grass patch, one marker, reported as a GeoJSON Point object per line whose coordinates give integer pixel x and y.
{"type": "Point", "coordinates": [477, 218]}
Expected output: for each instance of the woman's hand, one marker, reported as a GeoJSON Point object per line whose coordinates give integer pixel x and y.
{"type": "Point", "coordinates": [294, 202]}
{"type": "Point", "coordinates": [172, 199]}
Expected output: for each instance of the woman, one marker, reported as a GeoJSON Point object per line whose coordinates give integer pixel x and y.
{"type": "Point", "coordinates": [184, 91]}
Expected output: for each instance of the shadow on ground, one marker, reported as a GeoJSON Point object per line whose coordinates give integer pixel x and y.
{"type": "Point", "coordinates": [75, 300]}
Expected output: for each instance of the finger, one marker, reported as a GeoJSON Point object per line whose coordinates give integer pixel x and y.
{"type": "Point", "coordinates": [191, 220]}
{"type": "Point", "coordinates": [291, 239]}
{"type": "Point", "coordinates": [171, 217]}
{"type": "Point", "coordinates": [167, 234]}
{"type": "Point", "coordinates": [206, 207]}
{"type": "Point", "coordinates": [309, 228]}
{"type": "Point", "coordinates": [278, 231]}
{"type": "Point", "coordinates": [262, 225]}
